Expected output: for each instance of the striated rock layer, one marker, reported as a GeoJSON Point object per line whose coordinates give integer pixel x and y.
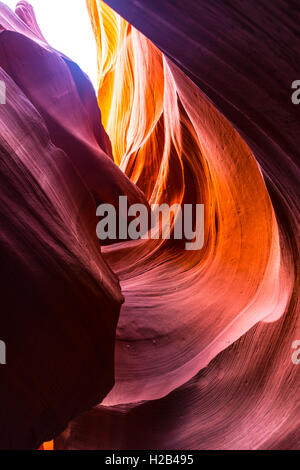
{"type": "Point", "coordinates": [195, 103]}
{"type": "Point", "coordinates": [203, 351]}
{"type": "Point", "coordinates": [60, 301]}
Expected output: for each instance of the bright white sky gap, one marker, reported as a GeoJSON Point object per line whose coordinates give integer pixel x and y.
{"type": "Point", "coordinates": [66, 26]}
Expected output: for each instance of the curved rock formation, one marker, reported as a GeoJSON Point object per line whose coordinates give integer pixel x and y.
{"type": "Point", "coordinates": [60, 301]}
{"type": "Point", "coordinates": [196, 107]}
{"type": "Point", "coordinates": [203, 352]}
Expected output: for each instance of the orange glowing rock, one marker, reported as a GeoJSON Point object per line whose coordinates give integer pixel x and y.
{"type": "Point", "coordinates": [203, 352]}
{"type": "Point", "coordinates": [182, 309]}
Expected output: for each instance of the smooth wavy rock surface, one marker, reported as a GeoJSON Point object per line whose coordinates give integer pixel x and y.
{"type": "Point", "coordinates": [196, 107]}
{"type": "Point", "coordinates": [59, 300]}
{"type": "Point", "coordinates": [203, 351]}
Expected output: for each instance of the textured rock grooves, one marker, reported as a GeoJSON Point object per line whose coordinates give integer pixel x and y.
{"type": "Point", "coordinates": [59, 300]}
{"type": "Point", "coordinates": [203, 352]}
{"type": "Point", "coordinates": [196, 103]}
